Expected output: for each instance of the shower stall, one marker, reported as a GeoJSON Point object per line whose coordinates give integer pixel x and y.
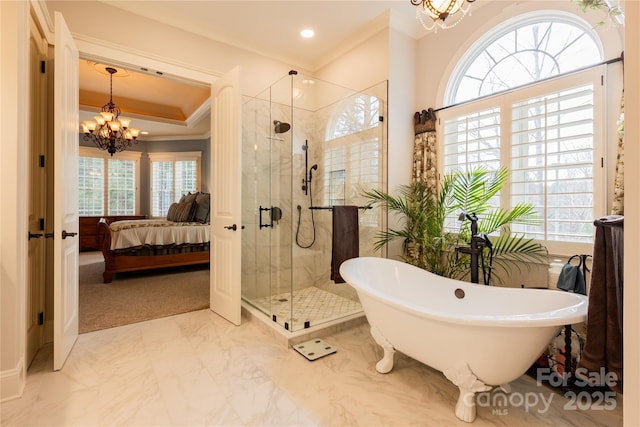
{"type": "Point", "coordinates": [308, 145]}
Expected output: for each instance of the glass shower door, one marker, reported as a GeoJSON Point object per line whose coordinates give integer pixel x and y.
{"type": "Point", "coordinates": [256, 245]}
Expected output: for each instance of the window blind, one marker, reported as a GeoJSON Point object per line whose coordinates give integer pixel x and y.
{"type": "Point", "coordinates": [552, 163]}
{"type": "Point", "coordinates": [91, 186]}
{"type": "Point", "coordinates": [122, 187]}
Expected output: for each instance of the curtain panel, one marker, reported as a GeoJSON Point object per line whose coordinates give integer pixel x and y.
{"type": "Point", "coordinates": [425, 155]}
{"type": "Point", "coordinates": [617, 207]}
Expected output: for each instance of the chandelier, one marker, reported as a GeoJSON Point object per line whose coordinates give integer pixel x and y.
{"type": "Point", "coordinates": [109, 131]}
{"type": "Point", "coordinates": [439, 10]}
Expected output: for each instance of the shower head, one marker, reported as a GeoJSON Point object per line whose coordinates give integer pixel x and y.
{"type": "Point", "coordinates": [281, 127]}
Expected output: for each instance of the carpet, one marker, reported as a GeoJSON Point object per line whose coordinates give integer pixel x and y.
{"type": "Point", "coordinates": [138, 296]}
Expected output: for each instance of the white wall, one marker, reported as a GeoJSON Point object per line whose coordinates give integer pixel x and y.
{"type": "Point", "coordinates": [632, 216]}
{"type": "Point", "coordinates": [403, 55]}
{"type": "Point", "coordinates": [362, 67]}
{"type": "Point", "coordinates": [13, 226]}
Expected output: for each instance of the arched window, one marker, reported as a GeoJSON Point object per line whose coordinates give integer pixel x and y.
{"type": "Point", "coordinates": [529, 50]}
{"type": "Point", "coordinates": [352, 115]}
{"type": "Point", "coordinates": [545, 122]}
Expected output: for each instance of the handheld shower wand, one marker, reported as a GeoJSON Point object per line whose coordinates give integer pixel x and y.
{"type": "Point", "coordinates": [313, 168]}
{"type": "Point", "coordinates": [306, 187]}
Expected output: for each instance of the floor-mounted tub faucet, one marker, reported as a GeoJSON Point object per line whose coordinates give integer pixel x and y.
{"type": "Point", "coordinates": [476, 249]}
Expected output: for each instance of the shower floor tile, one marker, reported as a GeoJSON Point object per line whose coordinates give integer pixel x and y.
{"type": "Point", "coordinates": [310, 304]}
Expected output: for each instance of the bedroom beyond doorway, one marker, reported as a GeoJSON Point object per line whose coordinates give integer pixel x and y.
{"type": "Point", "coordinates": [137, 296]}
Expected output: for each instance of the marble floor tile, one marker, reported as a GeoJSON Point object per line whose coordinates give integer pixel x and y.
{"type": "Point", "coordinates": [196, 369]}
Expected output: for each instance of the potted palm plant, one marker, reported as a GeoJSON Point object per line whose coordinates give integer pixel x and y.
{"type": "Point", "coordinates": [430, 234]}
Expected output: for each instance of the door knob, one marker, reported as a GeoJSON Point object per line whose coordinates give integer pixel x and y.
{"type": "Point", "coordinates": [34, 235]}
{"type": "Point", "coordinates": [231, 227]}
{"type": "Point", "coordinates": [65, 234]}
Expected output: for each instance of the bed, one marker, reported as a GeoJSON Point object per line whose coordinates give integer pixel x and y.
{"type": "Point", "coordinates": [182, 238]}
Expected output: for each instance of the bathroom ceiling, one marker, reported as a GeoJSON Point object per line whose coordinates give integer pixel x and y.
{"type": "Point", "coordinates": [271, 28]}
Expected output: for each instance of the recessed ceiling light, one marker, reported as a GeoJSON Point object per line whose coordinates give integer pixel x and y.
{"type": "Point", "coordinates": [307, 33]}
{"type": "Point", "coordinates": [144, 133]}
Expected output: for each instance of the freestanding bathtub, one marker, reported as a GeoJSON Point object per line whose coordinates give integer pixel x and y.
{"type": "Point", "coordinates": [477, 336]}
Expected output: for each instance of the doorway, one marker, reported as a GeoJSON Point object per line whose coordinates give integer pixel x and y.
{"type": "Point", "coordinates": [168, 160]}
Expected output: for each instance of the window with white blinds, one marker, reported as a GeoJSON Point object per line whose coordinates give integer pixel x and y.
{"type": "Point", "coordinates": [122, 187]}
{"type": "Point", "coordinates": [550, 136]}
{"type": "Point", "coordinates": [470, 141]}
{"type": "Point", "coordinates": [172, 176]}
{"type": "Point", "coordinates": [552, 163]}
{"type": "Point", "coordinates": [91, 183]}
{"type": "Point", "coordinates": [108, 186]}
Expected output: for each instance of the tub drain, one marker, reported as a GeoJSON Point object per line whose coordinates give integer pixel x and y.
{"type": "Point", "coordinates": [314, 349]}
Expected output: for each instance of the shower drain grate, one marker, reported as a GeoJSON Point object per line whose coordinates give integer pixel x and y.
{"type": "Point", "coordinates": [314, 349]}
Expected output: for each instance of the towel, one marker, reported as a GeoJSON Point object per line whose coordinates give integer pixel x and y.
{"type": "Point", "coordinates": [572, 279]}
{"type": "Point", "coordinates": [603, 347]}
{"type": "Point", "coordinates": [346, 238]}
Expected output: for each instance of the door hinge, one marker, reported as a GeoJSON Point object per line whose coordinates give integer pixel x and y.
{"type": "Point", "coordinates": [41, 318]}
{"type": "Point", "coordinates": [41, 220]}
{"type": "Point", "coordinates": [601, 162]}
{"type": "Point", "coordinates": [43, 67]}
{"type": "Point", "coordinates": [601, 79]}
{"type": "Point", "coordinates": [41, 160]}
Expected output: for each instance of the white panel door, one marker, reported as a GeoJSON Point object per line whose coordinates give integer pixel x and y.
{"type": "Point", "coordinates": [226, 148]}
{"type": "Point", "coordinates": [65, 211]}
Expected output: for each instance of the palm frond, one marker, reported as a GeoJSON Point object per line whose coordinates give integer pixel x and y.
{"type": "Point", "coordinates": [428, 245]}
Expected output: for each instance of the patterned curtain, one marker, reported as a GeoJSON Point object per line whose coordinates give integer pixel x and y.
{"type": "Point", "coordinates": [425, 155]}
{"type": "Point", "coordinates": [617, 207]}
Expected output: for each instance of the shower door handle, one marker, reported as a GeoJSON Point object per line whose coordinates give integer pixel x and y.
{"type": "Point", "coordinates": [261, 224]}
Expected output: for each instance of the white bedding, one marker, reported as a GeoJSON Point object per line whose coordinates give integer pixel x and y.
{"type": "Point", "coordinates": [133, 233]}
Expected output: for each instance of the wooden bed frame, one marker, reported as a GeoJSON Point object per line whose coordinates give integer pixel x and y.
{"type": "Point", "coordinates": [117, 263]}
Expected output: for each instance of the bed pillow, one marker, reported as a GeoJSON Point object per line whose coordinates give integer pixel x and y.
{"type": "Point", "coordinates": [172, 212]}
{"type": "Point", "coordinates": [185, 212]}
{"type": "Point", "coordinates": [181, 212]}
{"type": "Point", "coordinates": [203, 203]}
{"type": "Point", "coordinates": [188, 198]}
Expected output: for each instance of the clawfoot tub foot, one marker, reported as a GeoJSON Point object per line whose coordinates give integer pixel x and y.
{"type": "Point", "coordinates": [385, 365]}
{"type": "Point", "coordinates": [469, 385]}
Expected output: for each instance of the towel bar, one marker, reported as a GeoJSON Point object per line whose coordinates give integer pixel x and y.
{"type": "Point", "coordinates": [328, 208]}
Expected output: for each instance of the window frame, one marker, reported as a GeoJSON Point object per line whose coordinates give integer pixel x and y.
{"type": "Point", "coordinates": [505, 100]}
{"type": "Point", "coordinates": [135, 156]}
